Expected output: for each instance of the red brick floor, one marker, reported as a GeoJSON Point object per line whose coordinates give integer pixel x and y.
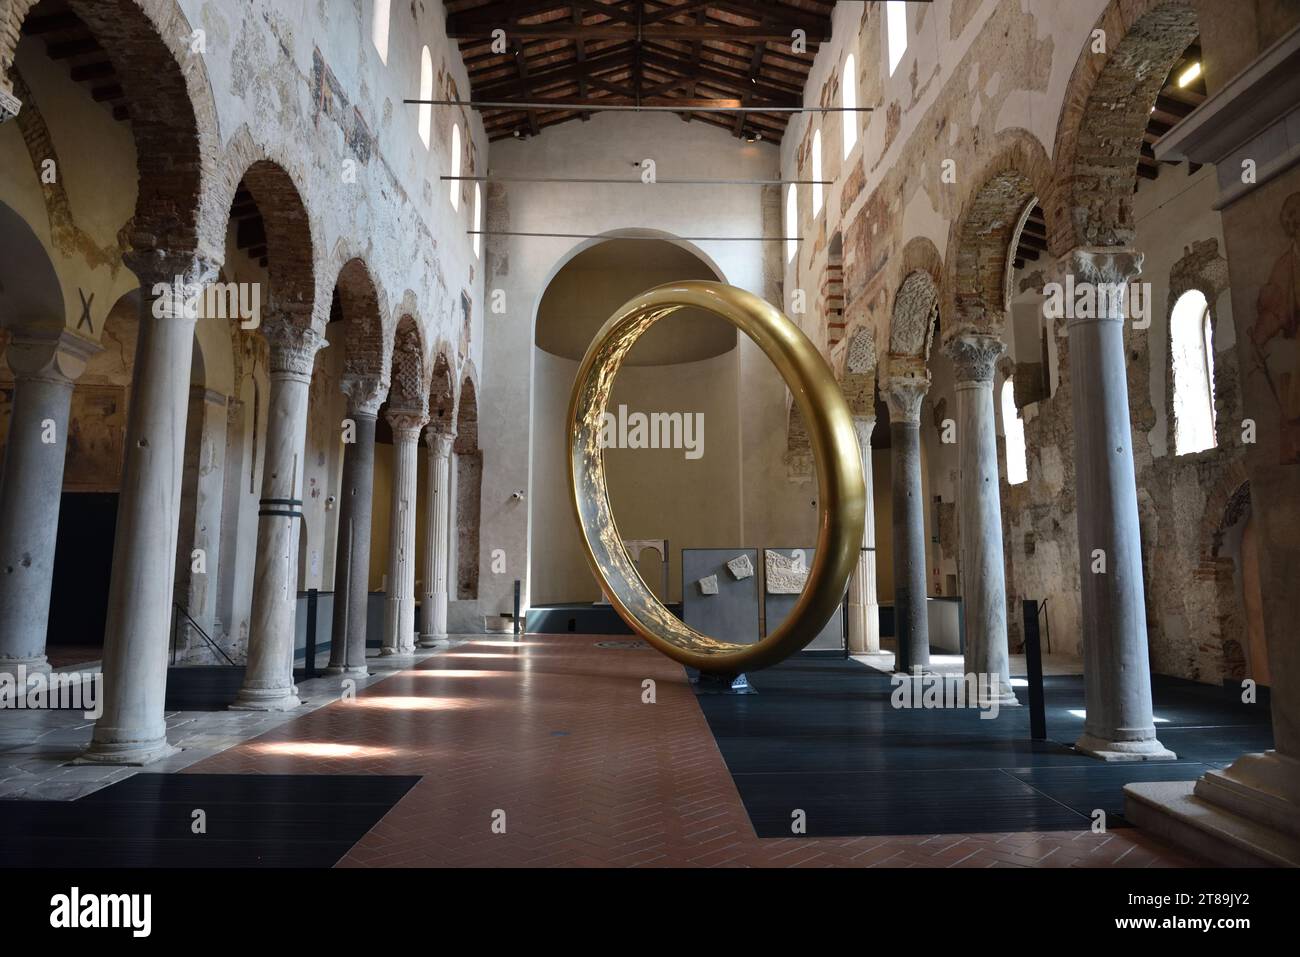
{"type": "Point", "coordinates": [552, 735]}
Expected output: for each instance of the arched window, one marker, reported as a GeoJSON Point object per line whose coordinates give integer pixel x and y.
{"type": "Point", "coordinates": [478, 218]}
{"type": "Point", "coordinates": [455, 165]}
{"type": "Point", "coordinates": [817, 172]}
{"type": "Point", "coordinates": [426, 93]}
{"type": "Point", "coordinates": [1192, 353]}
{"type": "Point", "coordinates": [896, 29]}
{"type": "Point", "coordinates": [1013, 429]}
{"type": "Point", "coordinates": [850, 94]}
{"type": "Point", "coordinates": [379, 29]}
{"type": "Point", "coordinates": [791, 222]}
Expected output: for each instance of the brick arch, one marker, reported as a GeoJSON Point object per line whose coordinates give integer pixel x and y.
{"type": "Point", "coordinates": [173, 119]}
{"type": "Point", "coordinates": [467, 412]}
{"type": "Point", "coordinates": [363, 308]}
{"type": "Point", "coordinates": [291, 248]}
{"type": "Point", "coordinates": [442, 392]}
{"type": "Point", "coordinates": [1105, 112]}
{"type": "Point", "coordinates": [1222, 508]}
{"type": "Point", "coordinates": [911, 325]}
{"type": "Point", "coordinates": [406, 391]}
{"type": "Point", "coordinates": [469, 487]}
{"type": "Point", "coordinates": [980, 242]}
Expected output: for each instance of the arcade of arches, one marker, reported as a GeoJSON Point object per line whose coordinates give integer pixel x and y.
{"type": "Point", "coordinates": [282, 353]}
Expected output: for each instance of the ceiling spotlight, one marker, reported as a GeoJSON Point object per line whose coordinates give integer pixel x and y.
{"type": "Point", "coordinates": [1190, 74]}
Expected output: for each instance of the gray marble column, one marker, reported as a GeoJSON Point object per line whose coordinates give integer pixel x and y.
{"type": "Point", "coordinates": [133, 729]}
{"type": "Point", "coordinates": [433, 600]}
{"type": "Point", "coordinates": [979, 512]}
{"type": "Point", "coordinates": [1116, 665]}
{"type": "Point", "coordinates": [399, 621]}
{"type": "Point", "coordinates": [352, 558]}
{"type": "Point", "coordinates": [268, 678]}
{"type": "Point", "coordinates": [45, 365]}
{"type": "Point", "coordinates": [202, 491]}
{"type": "Point", "coordinates": [904, 394]}
{"type": "Point", "coordinates": [864, 606]}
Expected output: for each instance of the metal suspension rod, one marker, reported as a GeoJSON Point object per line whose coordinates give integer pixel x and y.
{"type": "Point", "coordinates": [639, 182]}
{"type": "Point", "coordinates": [684, 106]}
{"type": "Point", "coordinates": [692, 239]}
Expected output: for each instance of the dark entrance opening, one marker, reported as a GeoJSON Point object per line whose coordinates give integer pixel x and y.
{"type": "Point", "coordinates": [83, 564]}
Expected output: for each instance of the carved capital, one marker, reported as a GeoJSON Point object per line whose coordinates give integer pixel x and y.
{"type": "Point", "coordinates": [904, 395]}
{"type": "Point", "coordinates": [440, 443]}
{"type": "Point", "coordinates": [10, 105]}
{"type": "Point", "coordinates": [53, 355]}
{"type": "Point", "coordinates": [165, 276]}
{"type": "Point", "coordinates": [365, 394]}
{"type": "Point", "coordinates": [1102, 264]}
{"type": "Point", "coordinates": [974, 356]}
{"type": "Point", "coordinates": [293, 348]}
{"type": "Point", "coordinates": [863, 426]}
{"type": "Point", "coordinates": [407, 424]}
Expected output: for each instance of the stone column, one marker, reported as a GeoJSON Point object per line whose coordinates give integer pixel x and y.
{"type": "Point", "coordinates": [45, 365]}
{"type": "Point", "coordinates": [132, 729]}
{"type": "Point", "coordinates": [352, 561]}
{"type": "Point", "coordinates": [1116, 666]}
{"type": "Point", "coordinates": [433, 600]}
{"type": "Point", "coordinates": [202, 490]}
{"type": "Point", "coordinates": [904, 394]}
{"type": "Point", "coordinates": [399, 622]}
{"type": "Point", "coordinates": [864, 607]}
{"type": "Point", "coordinates": [979, 510]}
{"type": "Point", "coordinates": [268, 679]}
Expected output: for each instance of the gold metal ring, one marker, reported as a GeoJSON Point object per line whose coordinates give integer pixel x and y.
{"type": "Point", "coordinates": [841, 503]}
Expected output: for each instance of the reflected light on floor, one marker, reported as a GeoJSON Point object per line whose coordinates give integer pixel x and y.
{"type": "Point", "coordinates": [470, 654]}
{"type": "Point", "coordinates": [413, 703]}
{"type": "Point", "coordinates": [1019, 683]}
{"type": "Point", "coordinates": [459, 673]}
{"type": "Point", "coordinates": [1083, 714]}
{"type": "Point", "coordinates": [506, 644]}
{"type": "Point", "coordinates": [321, 749]}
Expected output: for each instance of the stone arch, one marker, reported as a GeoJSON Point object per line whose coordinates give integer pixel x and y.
{"type": "Point", "coordinates": [1106, 108]}
{"type": "Point", "coordinates": [362, 308]}
{"type": "Point", "coordinates": [1223, 507]}
{"type": "Point", "coordinates": [858, 382]}
{"type": "Point", "coordinates": [407, 391]}
{"type": "Point", "coordinates": [916, 307]}
{"type": "Point", "coordinates": [442, 391]}
{"type": "Point", "coordinates": [291, 250]}
{"type": "Point", "coordinates": [30, 292]}
{"type": "Point", "coordinates": [976, 282]}
{"type": "Point", "coordinates": [173, 118]}
{"type": "Point", "coordinates": [469, 488]}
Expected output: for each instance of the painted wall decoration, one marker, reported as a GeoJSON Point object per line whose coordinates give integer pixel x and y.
{"type": "Point", "coordinates": [96, 429]}
{"type": "Point", "coordinates": [1278, 318]}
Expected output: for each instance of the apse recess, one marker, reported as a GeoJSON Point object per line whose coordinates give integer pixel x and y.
{"type": "Point", "coordinates": [594, 283]}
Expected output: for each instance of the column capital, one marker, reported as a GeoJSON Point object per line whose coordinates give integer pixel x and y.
{"type": "Point", "coordinates": [366, 393]}
{"type": "Point", "coordinates": [904, 394]}
{"type": "Point", "coordinates": [1095, 283]}
{"type": "Point", "coordinates": [54, 355]}
{"type": "Point", "coordinates": [863, 426]}
{"type": "Point", "coordinates": [440, 442]}
{"type": "Point", "coordinates": [407, 423]}
{"type": "Point", "coordinates": [293, 348]}
{"type": "Point", "coordinates": [158, 268]}
{"type": "Point", "coordinates": [10, 105]}
{"type": "Point", "coordinates": [1101, 264]}
{"type": "Point", "coordinates": [974, 356]}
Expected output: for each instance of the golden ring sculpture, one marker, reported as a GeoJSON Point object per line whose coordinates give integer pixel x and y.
{"type": "Point", "coordinates": [841, 501]}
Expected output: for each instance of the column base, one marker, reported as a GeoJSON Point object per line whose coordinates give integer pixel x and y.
{"type": "Point", "coordinates": [1006, 699]}
{"type": "Point", "coordinates": [25, 667]}
{"type": "Point", "coordinates": [387, 652]}
{"type": "Point", "coordinates": [347, 671]}
{"type": "Point", "coordinates": [432, 641]}
{"type": "Point", "coordinates": [1247, 815]}
{"type": "Point", "coordinates": [1147, 750]}
{"type": "Point", "coordinates": [266, 699]}
{"type": "Point", "coordinates": [127, 752]}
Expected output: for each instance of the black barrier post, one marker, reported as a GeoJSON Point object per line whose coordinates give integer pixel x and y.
{"type": "Point", "coordinates": [1034, 669]}
{"type": "Point", "coordinates": [311, 633]}
{"type": "Point", "coordinates": [518, 585]}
